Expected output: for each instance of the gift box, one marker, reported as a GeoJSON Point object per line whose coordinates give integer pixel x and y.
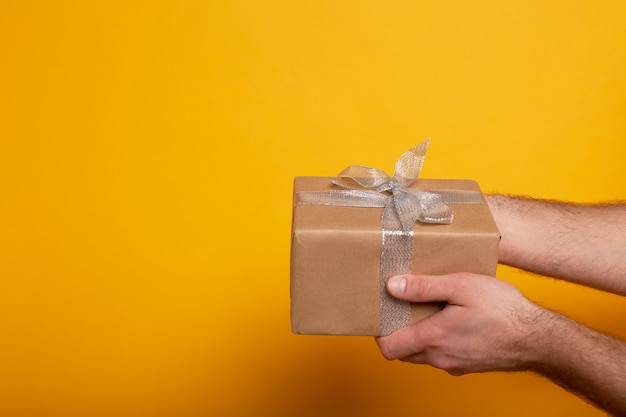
{"type": "Point", "coordinates": [352, 232]}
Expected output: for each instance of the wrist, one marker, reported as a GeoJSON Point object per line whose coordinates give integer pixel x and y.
{"type": "Point", "coordinates": [538, 331]}
{"type": "Point", "coordinates": [545, 348]}
{"type": "Point", "coordinates": [501, 210]}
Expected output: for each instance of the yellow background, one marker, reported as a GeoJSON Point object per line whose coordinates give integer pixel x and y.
{"type": "Point", "coordinates": [147, 155]}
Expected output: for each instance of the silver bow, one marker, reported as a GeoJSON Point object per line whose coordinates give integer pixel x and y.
{"type": "Point", "coordinates": [371, 187]}
{"type": "Point", "coordinates": [408, 205]}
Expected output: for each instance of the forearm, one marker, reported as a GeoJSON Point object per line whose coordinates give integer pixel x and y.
{"type": "Point", "coordinates": [583, 361]}
{"type": "Point", "coordinates": [580, 243]}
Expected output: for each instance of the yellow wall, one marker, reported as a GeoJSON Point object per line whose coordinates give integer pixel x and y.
{"type": "Point", "coordinates": [147, 150]}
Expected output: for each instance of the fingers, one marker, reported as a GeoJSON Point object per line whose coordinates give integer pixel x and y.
{"type": "Point", "coordinates": [479, 329]}
{"type": "Point", "coordinates": [420, 288]}
{"type": "Point", "coordinates": [428, 288]}
{"type": "Point", "coordinates": [401, 344]}
{"type": "Point", "coordinates": [405, 342]}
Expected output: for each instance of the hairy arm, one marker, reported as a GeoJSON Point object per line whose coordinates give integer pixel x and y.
{"type": "Point", "coordinates": [585, 244]}
{"type": "Point", "coordinates": [585, 362]}
{"type": "Point", "coordinates": [488, 325]}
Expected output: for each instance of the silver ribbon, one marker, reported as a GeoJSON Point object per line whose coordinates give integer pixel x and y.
{"type": "Point", "coordinates": [370, 188]}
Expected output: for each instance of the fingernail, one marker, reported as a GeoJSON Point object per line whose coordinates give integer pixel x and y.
{"type": "Point", "coordinates": [396, 285]}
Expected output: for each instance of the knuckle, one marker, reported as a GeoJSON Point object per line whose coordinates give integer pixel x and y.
{"type": "Point", "coordinates": [421, 288]}
{"type": "Point", "coordinates": [388, 354]}
{"type": "Point", "coordinates": [387, 350]}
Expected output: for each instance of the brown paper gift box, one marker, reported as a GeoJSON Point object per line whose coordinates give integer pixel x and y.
{"type": "Point", "coordinates": [335, 257]}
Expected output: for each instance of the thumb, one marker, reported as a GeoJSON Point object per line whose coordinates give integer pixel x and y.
{"type": "Point", "coordinates": [425, 288]}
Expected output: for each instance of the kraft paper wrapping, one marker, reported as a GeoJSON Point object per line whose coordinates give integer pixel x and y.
{"type": "Point", "coordinates": [335, 257]}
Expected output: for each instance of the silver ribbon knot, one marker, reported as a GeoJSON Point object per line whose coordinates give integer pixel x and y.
{"type": "Point", "coordinates": [403, 207]}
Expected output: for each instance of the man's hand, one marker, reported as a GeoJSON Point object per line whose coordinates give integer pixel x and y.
{"type": "Point", "coordinates": [487, 324]}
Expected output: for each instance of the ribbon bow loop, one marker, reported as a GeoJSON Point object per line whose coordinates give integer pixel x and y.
{"type": "Point", "coordinates": [409, 165]}
{"type": "Point", "coordinates": [359, 176]}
